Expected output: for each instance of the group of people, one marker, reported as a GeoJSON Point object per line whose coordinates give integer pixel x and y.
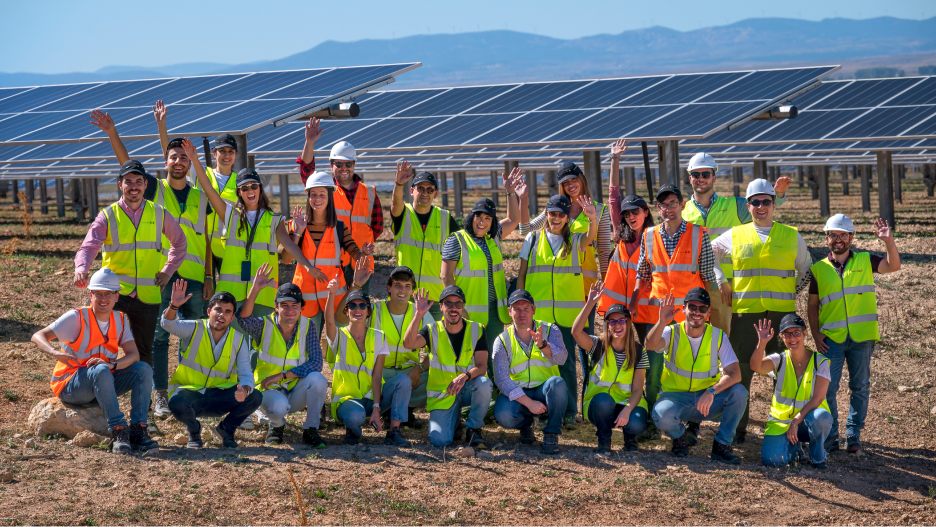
{"type": "Point", "coordinates": [689, 309]}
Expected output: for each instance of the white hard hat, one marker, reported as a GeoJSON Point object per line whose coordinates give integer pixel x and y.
{"type": "Point", "coordinates": [702, 160]}
{"type": "Point", "coordinates": [759, 186]}
{"type": "Point", "coordinates": [319, 179]}
{"type": "Point", "coordinates": [839, 222]}
{"type": "Point", "coordinates": [343, 151]}
{"type": "Point", "coordinates": [104, 280]}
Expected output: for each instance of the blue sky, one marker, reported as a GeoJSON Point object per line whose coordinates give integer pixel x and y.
{"type": "Point", "coordinates": [52, 36]}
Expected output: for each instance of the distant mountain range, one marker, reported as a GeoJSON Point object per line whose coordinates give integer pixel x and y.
{"type": "Point", "coordinates": [509, 56]}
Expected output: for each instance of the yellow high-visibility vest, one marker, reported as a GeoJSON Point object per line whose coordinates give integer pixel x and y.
{"type": "Point", "coordinates": [198, 368]}
{"type": "Point", "coordinates": [682, 372]}
{"type": "Point", "coordinates": [554, 282]}
{"type": "Point", "coordinates": [764, 274]}
{"type": "Point", "coordinates": [272, 355]}
{"type": "Point", "coordinates": [528, 371]}
{"type": "Point", "coordinates": [847, 302]}
{"type": "Point", "coordinates": [135, 252]}
{"type": "Point", "coordinates": [790, 395]}
{"type": "Point", "coordinates": [472, 277]}
{"type": "Point", "coordinates": [192, 223]}
{"type": "Point", "coordinates": [443, 366]}
{"type": "Point", "coordinates": [421, 250]}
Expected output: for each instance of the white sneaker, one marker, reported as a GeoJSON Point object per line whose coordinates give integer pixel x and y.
{"type": "Point", "coordinates": [247, 424]}
{"type": "Point", "coordinates": [161, 405]}
{"type": "Point", "coordinates": [261, 417]}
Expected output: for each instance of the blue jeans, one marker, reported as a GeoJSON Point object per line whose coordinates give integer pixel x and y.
{"type": "Point", "coordinates": [476, 393]}
{"type": "Point", "coordinates": [194, 309]}
{"type": "Point", "coordinates": [418, 394]}
{"type": "Point", "coordinates": [394, 397]}
{"type": "Point", "coordinates": [188, 405]}
{"type": "Point", "coordinates": [308, 394]}
{"type": "Point", "coordinates": [568, 372]}
{"type": "Point", "coordinates": [857, 355]}
{"type": "Point", "coordinates": [776, 450]}
{"type": "Point", "coordinates": [553, 393]}
{"type": "Point", "coordinates": [603, 410]}
{"type": "Point", "coordinates": [672, 409]}
{"type": "Point", "coordinates": [99, 383]}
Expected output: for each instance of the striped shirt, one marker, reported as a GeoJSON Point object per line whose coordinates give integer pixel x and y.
{"type": "Point", "coordinates": [603, 239]}
{"type": "Point", "coordinates": [706, 259]}
{"type": "Point", "coordinates": [597, 353]}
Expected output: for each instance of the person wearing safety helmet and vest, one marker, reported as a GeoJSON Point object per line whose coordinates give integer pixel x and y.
{"type": "Point", "coordinates": [88, 370]}
{"type": "Point", "coordinates": [358, 387]}
{"type": "Point", "coordinates": [615, 383]}
{"type": "Point", "coordinates": [420, 229]}
{"type": "Point", "coordinates": [458, 358]}
{"type": "Point", "coordinates": [798, 412]}
{"type": "Point", "coordinates": [551, 269]}
{"type": "Point", "coordinates": [527, 356]}
{"type": "Point", "coordinates": [694, 389]}
{"type": "Point", "coordinates": [392, 316]}
{"type": "Point", "coordinates": [770, 264]}
{"type": "Point", "coordinates": [252, 232]}
{"type": "Point", "coordinates": [718, 214]}
{"type": "Point", "coordinates": [356, 203]}
{"type": "Point", "coordinates": [472, 258]}
{"type": "Point", "coordinates": [324, 240]}
{"type": "Point", "coordinates": [289, 360]}
{"type": "Point", "coordinates": [844, 320]}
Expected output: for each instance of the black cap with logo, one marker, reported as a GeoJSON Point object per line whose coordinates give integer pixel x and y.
{"type": "Point", "coordinates": [568, 170]}
{"type": "Point", "coordinates": [617, 308]}
{"type": "Point", "coordinates": [247, 175]}
{"type": "Point", "coordinates": [425, 177]}
{"type": "Point", "coordinates": [452, 290]}
{"type": "Point", "coordinates": [518, 295]}
{"type": "Point", "coordinates": [559, 203]}
{"type": "Point", "coordinates": [792, 321]}
{"type": "Point", "coordinates": [668, 189]}
{"type": "Point", "coordinates": [289, 292]}
{"type": "Point", "coordinates": [358, 295]}
{"type": "Point", "coordinates": [224, 140]}
{"type": "Point", "coordinates": [485, 205]}
{"type": "Point", "coordinates": [132, 166]}
{"type": "Point", "coordinates": [699, 294]}
{"type": "Point", "coordinates": [633, 201]}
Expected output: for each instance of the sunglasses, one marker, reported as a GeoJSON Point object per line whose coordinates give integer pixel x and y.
{"type": "Point", "coordinates": [425, 190]}
{"type": "Point", "coordinates": [694, 308]}
{"type": "Point", "coordinates": [346, 164]}
{"type": "Point", "coordinates": [758, 202]}
{"type": "Point", "coordinates": [632, 212]}
{"type": "Point", "coordinates": [617, 322]}
{"type": "Point", "coordinates": [700, 175]}
{"type": "Point", "coordinates": [453, 305]}
{"type": "Point", "coordinates": [357, 305]}
{"type": "Point", "coordinates": [251, 186]}
{"type": "Point", "coordinates": [795, 334]}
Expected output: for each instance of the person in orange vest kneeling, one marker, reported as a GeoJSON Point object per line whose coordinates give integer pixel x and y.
{"type": "Point", "coordinates": [89, 370]}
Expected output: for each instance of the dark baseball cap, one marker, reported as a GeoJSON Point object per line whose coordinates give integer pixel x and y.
{"type": "Point", "coordinates": [358, 295]}
{"type": "Point", "coordinates": [518, 295]}
{"type": "Point", "coordinates": [402, 270]}
{"type": "Point", "coordinates": [247, 175]}
{"type": "Point", "coordinates": [485, 205]}
{"type": "Point", "coordinates": [617, 308]}
{"type": "Point", "coordinates": [699, 294]}
{"type": "Point", "coordinates": [289, 292]}
{"type": "Point", "coordinates": [132, 167]}
{"type": "Point", "coordinates": [174, 143]}
{"type": "Point", "coordinates": [224, 140]}
{"type": "Point", "coordinates": [792, 321]}
{"type": "Point", "coordinates": [559, 203]}
{"type": "Point", "coordinates": [568, 170]}
{"type": "Point", "coordinates": [633, 201]}
{"type": "Point", "coordinates": [668, 189]}
{"type": "Point", "coordinates": [425, 177]}
{"type": "Point", "coordinates": [452, 290]}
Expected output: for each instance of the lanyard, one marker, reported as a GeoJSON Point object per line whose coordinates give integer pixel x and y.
{"type": "Point", "coordinates": [253, 232]}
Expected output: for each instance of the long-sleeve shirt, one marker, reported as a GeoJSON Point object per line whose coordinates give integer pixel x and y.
{"type": "Point", "coordinates": [184, 329]}
{"type": "Point", "coordinates": [721, 246]}
{"type": "Point", "coordinates": [253, 327]}
{"type": "Point", "coordinates": [706, 259]}
{"type": "Point", "coordinates": [743, 213]}
{"type": "Point", "coordinates": [502, 361]}
{"type": "Point", "coordinates": [603, 238]}
{"type": "Point", "coordinates": [97, 233]}
{"type": "Point", "coordinates": [306, 169]}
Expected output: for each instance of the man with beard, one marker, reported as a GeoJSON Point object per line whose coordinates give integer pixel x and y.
{"type": "Point", "coordinates": [693, 388]}
{"type": "Point", "coordinates": [843, 318]}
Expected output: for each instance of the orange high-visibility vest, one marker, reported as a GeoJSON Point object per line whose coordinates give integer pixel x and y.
{"type": "Point", "coordinates": [674, 275]}
{"type": "Point", "coordinates": [90, 343]}
{"type": "Point", "coordinates": [619, 284]}
{"type": "Point", "coordinates": [326, 256]}
{"type": "Point", "coordinates": [356, 215]}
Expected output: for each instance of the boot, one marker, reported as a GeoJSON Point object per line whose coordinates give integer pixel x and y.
{"type": "Point", "coordinates": [724, 454]}
{"type": "Point", "coordinates": [603, 448]}
{"type": "Point", "coordinates": [630, 443]}
{"type": "Point", "coordinates": [395, 439]}
{"type": "Point", "coordinates": [311, 437]}
{"type": "Point", "coordinates": [526, 436]}
{"type": "Point", "coordinates": [692, 434]}
{"type": "Point", "coordinates": [651, 433]}
{"type": "Point", "coordinates": [226, 438]}
{"type": "Point", "coordinates": [140, 439]}
{"type": "Point", "coordinates": [161, 406]}
{"type": "Point", "coordinates": [275, 435]}
{"type": "Point", "coordinates": [680, 448]}
{"type": "Point", "coordinates": [350, 438]}
{"type": "Point", "coordinates": [475, 439]}
{"type": "Point", "coordinates": [411, 421]}
{"type": "Point", "coordinates": [550, 444]}
{"type": "Point", "coordinates": [121, 444]}
{"type": "Point", "coordinates": [194, 439]}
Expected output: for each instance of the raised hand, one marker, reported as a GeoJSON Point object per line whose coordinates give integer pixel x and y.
{"type": "Point", "coordinates": [159, 112]}
{"type": "Point", "coordinates": [103, 121]}
{"type": "Point", "coordinates": [511, 180]}
{"type": "Point", "coordinates": [521, 188]}
{"type": "Point", "coordinates": [618, 147]}
{"type": "Point", "coordinates": [404, 172]}
{"type": "Point", "coordinates": [189, 149]}
{"type": "Point", "coordinates": [313, 130]}
{"type": "Point", "coordinates": [764, 330]}
{"type": "Point", "coordinates": [882, 230]}
{"type": "Point", "coordinates": [263, 277]}
{"type": "Point", "coordinates": [299, 219]}
{"type": "Point", "coordinates": [332, 284]}
{"type": "Point", "coordinates": [178, 293]}
{"type": "Point", "coordinates": [594, 294]}
{"type": "Point", "coordinates": [362, 271]}
{"type": "Point", "coordinates": [422, 301]}
{"type": "Point", "coordinates": [782, 184]}
{"type": "Point", "coordinates": [588, 206]}
{"type": "Point", "coordinates": [667, 309]}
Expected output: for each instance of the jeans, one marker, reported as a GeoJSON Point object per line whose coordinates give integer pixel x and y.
{"type": "Point", "coordinates": [553, 393]}
{"type": "Point", "coordinates": [603, 410]}
{"type": "Point", "coordinates": [99, 383]}
{"type": "Point", "coordinates": [476, 393]}
{"type": "Point", "coordinates": [568, 372]}
{"type": "Point", "coordinates": [308, 393]}
{"type": "Point", "coordinates": [143, 319]}
{"type": "Point", "coordinates": [194, 309]}
{"type": "Point", "coordinates": [857, 355]}
{"type": "Point", "coordinates": [583, 356]}
{"type": "Point", "coordinates": [776, 450]}
{"type": "Point", "coordinates": [394, 397]}
{"type": "Point", "coordinates": [187, 405]}
{"type": "Point", "coordinates": [672, 409]}
{"type": "Point", "coordinates": [744, 340]}
{"type": "Point", "coordinates": [417, 398]}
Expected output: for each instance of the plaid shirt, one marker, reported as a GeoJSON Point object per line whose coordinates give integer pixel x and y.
{"type": "Point", "coordinates": [306, 169]}
{"type": "Point", "coordinates": [706, 259]}
{"type": "Point", "coordinates": [253, 327]}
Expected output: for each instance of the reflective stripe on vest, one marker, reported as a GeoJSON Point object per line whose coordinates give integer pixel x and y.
{"type": "Point", "coordinates": [528, 371]}
{"type": "Point", "coordinates": [722, 216]}
{"type": "Point", "coordinates": [444, 367]}
{"type": "Point", "coordinates": [326, 257]}
{"type": "Point", "coordinates": [619, 283]}
{"type": "Point", "coordinates": [262, 251]}
{"type": "Point", "coordinates": [353, 372]}
{"type": "Point", "coordinates": [192, 222]}
{"type": "Point", "coordinates": [847, 302]}
{"type": "Point", "coordinates": [684, 373]}
{"type": "Point", "coordinates": [356, 217]}
{"type": "Point", "coordinates": [590, 270]}
{"type": "Point", "coordinates": [550, 278]}
{"type": "Point", "coordinates": [272, 355]}
{"type": "Point", "coordinates": [89, 343]}
{"type": "Point", "coordinates": [135, 252]}
{"type": "Point", "coordinates": [471, 276]}
{"type": "Point", "coordinates": [198, 368]}
{"type": "Point", "coordinates": [400, 357]}
{"type": "Point", "coordinates": [791, 395]}
{"type": "Point", "coordinates": [764, 274]}
{"type": "Point", "coordinates": [674, 275]}
{"type": "Point", "coordinates": [608, 378]}
{"type": "Point", "coordinates": [421, 250]}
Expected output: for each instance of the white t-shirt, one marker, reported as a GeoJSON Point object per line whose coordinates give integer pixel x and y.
{"type": "Point", "coordinates": [398, 321]}
{"type": "Point", "coordinates": [380, 344]}
{"type": "Point", "coordinates": [221, 179]}
{"type": "Point", "coordinates": [823, 370]}
{"type": "Point", "coordinates": [68, 327]}
{"type": "Point", "coordinates": [726, 355]}
{"type": "Point", "coordinates": [555, 242]}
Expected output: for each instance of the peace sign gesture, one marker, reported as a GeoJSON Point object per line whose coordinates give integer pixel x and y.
{"type": "Point", "coordinates": [618, 147]}
{"type": "Point", "coordinates": [667, 309]}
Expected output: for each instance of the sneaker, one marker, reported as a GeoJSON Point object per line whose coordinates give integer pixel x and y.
{"type": "Point", "coordinates": [526, 436]}
{"type": "Point", "coordinates": [680, 448]}
{"type": "Point", "coordinates": [603, 448]}
{"type": "Point", "coordinates": [261, 417]}
{"type": "Point", "coordinates": [852, 445]}
{"type": "Point", "coordinates": [275, 435]}
{"type": "Point", "coordinates": [821, 465]}
{"type": "Point", "coordinates": [248, 423]}
{"type": "Point", "coordinates": [651, 433]}
{"type": "Point", "coordinates": [832, 444]}
{"type": "Point", "coordinates": [724, 454]}
{"type": "Point", "coordinates": [350, 438]}
{"type": "Point", "coordinates": [475, 439]}
{"type": "Point", "coordinates": [395, 439]}
{"type": "Point", "coordinates": [311, 437]}
{"type": "Point", "coordinates": [161, 406]}
{"type": "Point", "coordinates": [121, 444]}
{"type": "Point", "coordinates": [550, 444]}
{"type": "Point", "coordinates": [569, 423]}
{"type": "Point", "coordinates": [194, 439]}
{"type": "Point", "coordinates": [740, 437]}
{"type": "Point", "coordinates": [459, 431]}
{"type": "Point", "coordinates": [226, 438]}
{"type": "Point", "coordinates": [691, 435]}
{"type": "Point", "coordinates": [412, 422]}
{"type": "Point", "coordinates": [140, 439]}
{"type": "Point", "coordinates": [630, 443]}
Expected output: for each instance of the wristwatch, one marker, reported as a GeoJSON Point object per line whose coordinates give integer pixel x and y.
{"type": "Point", "coordinates": [711, 390]}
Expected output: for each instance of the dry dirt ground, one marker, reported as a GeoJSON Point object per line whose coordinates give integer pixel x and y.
{"type": "Point", "coordinates": [894, 482]}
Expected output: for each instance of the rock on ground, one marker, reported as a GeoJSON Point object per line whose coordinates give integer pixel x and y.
{"type": "Point", "coordinates": [52, 416]}
{"type": "Point", "coordinates": [87, 438]}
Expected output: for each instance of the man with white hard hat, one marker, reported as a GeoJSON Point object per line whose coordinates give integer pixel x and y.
{"type": "Point", "coordinates": [843, 317]}
{"type": "Point", "coordinates": [88, 368]}
{"type": "Point", "coordinates": [770, 263]}
{"type": "Point", "coordinates": [356, 203]}
{"type": "Point", "coordinates": [718, 214]}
